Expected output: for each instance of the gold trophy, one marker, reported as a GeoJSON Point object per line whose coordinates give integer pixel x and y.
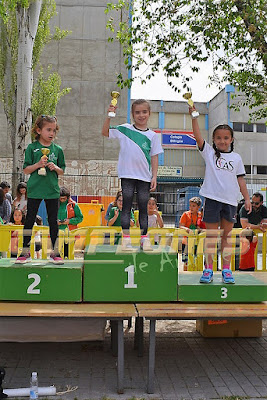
{"type": "Point", "coordinates": [114, 101]}
{"type": "Point", "coordinates": [45, 152]}
{"type": "Point", "coordinates": [187, 96]}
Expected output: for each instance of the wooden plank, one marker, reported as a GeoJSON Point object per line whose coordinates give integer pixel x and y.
{"type": "Point", "coordinates": [67, 310]}
{"type": "Point", "coordinates": [197, 311]}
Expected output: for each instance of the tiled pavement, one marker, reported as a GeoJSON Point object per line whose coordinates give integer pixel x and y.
{"type": "Point", "coordinates": [187, 366]}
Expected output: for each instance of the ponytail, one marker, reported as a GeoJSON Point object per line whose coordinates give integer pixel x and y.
{"type": "Point", "coordinates": [217, 153]}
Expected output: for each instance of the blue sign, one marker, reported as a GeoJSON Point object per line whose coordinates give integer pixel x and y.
{"type": "Point", "coordinates": [178, 139]}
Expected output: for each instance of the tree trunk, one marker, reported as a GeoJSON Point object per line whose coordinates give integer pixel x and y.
{"type": "Point", "coordinates": [27, 21]}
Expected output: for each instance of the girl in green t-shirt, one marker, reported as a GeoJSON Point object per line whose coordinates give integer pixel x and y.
{"type": "Point", "coordinates": [44, 161]}
{"type": "Point", "coordinates": [114, 218]}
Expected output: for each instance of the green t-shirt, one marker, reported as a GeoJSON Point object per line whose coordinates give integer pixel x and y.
{"type": "Point", "coordinates": [38, 186]}
{"type": "Point", "coordinates": [63, 214]}
{"type": "Point", "coordinates": [118, 220]}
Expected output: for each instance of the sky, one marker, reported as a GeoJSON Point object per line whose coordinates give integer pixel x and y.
{"type": "Point", "coordinates": [158, 89]}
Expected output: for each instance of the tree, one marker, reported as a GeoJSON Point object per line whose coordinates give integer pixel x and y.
{"type": "Point", "coordinates": [171, 33]}
{"type": "Point", "coordinates": [46, 93]}
{"type": "Point", "coordinates": [24, 30]}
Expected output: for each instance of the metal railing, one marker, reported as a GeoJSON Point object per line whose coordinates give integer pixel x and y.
{"type": "Point", "coordinates": [171, 239]}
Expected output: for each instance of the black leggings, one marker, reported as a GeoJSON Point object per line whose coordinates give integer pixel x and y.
{"type": "Point", "coordinates": [32, 209]}
{"type": "Point", "coordinates": [142, 190]}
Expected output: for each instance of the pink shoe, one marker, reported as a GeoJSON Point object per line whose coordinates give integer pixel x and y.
{"type": "Point", "coordinates": [56, 259]}
{"type": "Point", "coordinates": [23, 258]}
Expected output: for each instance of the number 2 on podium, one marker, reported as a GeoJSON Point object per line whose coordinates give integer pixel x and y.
{"type": "Point", "coordinates": [37, 280]}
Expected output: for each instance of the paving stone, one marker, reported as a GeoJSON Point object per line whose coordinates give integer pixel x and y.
{"type": "Point", "coordinates": [187, 368]}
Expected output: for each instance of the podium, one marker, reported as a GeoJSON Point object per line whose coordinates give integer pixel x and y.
{"type": "Point", "coordinates": [113, 275]}
{"type": "Point", "coordinates": [248, 288]}
{"type": "Point", "coordinates": [40, 281]}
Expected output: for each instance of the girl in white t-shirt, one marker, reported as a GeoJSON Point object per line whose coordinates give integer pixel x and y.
{"type": "Point", "coordinates": [224, 179]}
{"type": "Point", "coordinates": [154, 218]}
{"type": "Point", "coordinates": [137, 165]}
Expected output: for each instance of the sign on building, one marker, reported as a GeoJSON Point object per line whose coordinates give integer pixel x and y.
{"type": "Point", "coordinates": [177, 139]}
{"type": "Point", "coordinates": [170, 171]}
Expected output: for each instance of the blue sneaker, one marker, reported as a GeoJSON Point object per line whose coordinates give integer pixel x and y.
{"type": "Point", "coordinates": [207, 276]}
{"type": "Point", "coordinates": [227, 276]}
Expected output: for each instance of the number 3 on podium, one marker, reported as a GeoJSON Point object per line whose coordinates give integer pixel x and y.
{"type": "Point", "coordinates": [224, 293]}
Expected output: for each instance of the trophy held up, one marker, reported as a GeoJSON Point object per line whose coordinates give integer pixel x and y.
{"type": "Point", "coordinates": [114, 101]}
{"type": "Point", "coordinates": [45, 152]}
{"type": "Point", "coordinates": [188, 97]}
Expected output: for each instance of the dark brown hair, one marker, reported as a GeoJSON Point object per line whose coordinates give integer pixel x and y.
{"type": "Point", "coordinates": [2, 196]}
{"type": "Point", "coordinates": [22, 216]}
{"type": "Point", "coordinates": [21, 185]}
{"type": "Point", "coordinates": [227, 128]}
{"type": "Point", "coordinates": [118, 195]}
{"type": "Point", "coordinates": [64, 192]}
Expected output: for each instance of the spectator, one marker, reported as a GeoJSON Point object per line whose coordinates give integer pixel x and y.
{"type": "Point", "coordinates": [20, 201]}
{"type": "Point", "coordinates": [38, 236]}
{"type": "Point", "coordinates": [257, 219]}
{"type": "Point", "coordinates": [6, 187]}
{"type": "Point", "coordinates": [115, 215]}
{"type": "Point", "coordinates": [17, 218]}
{"type": "Point", "coordinates": [5, 207]}
{"type": "Point", "coordinates": [240, 204]}
{"type": "Point", "coordinates": [112, 204]}
{"type": "Point", "coordinates": [69, 214]}
{"type": "Point", "coordinates": [154, 218]}
{"type": "Point", "coordinates": [248, 242]}
{"type": "Point", "coordinates": [237, 224]}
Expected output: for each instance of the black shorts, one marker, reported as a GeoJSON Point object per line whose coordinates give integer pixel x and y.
{"type": "Point", "coordinates": [214, 211]}
{"type": "Point", "coordinates": [38, 246]}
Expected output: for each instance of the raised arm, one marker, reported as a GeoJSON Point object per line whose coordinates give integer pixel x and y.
{"type": "Point", "coordinates": [106, 125]}
{"type": "Point", "coordinates": [196, 130]}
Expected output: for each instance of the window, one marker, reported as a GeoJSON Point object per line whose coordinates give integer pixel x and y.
{"type": "Point", "coordinates": [248, 127]}
{"type": "Point", "coordinates": [245, 127]}
{"type": "Point", "coordinates": [237, 126]}
{"type": "Point", "coordinates": [248, 169]}
{"type": "Point", "coordinates": [262, 169]}
{"type": "Point", "coordinates": [261, 128]}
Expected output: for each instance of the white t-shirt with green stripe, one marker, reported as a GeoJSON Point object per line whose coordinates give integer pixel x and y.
{"type": "Point", "coordinates": [136, 149]}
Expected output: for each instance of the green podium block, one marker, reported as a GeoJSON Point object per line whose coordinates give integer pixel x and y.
{"type": "Point", "coordinates": [129, 276]}
{"type": "Point", "coordinates": [41, 281]}
{"type": "Point", "coordinates": [248, 288]}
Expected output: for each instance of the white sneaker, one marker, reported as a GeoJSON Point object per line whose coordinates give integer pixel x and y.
{"type": "Point", "coordinates": [145, 244]}
{"type": "Point", "coordinates": [126, 243]}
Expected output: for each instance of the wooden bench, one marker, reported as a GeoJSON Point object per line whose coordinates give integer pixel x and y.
{"type": "Point", "coordinates": [189, 311]}
{"type": "Point", "coordinates": [114, 312]}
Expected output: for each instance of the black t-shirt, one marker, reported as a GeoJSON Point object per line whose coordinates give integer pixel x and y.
{"type": "Point", "coordinates": [254, 218]}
